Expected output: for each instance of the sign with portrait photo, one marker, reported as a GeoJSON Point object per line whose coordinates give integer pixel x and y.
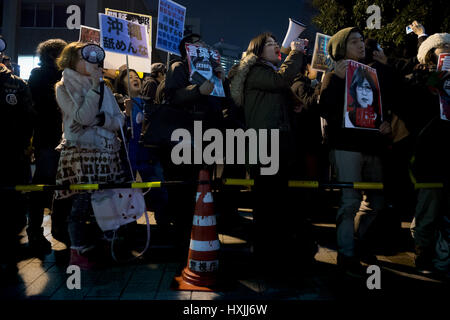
{"type": "Point", "coordinates": [202, 61]}
{"type": "Point", "coordinates": [89, 35]}
{"type": "Point", "coordinates": [444, 95]}
{"type": "Point", "coordinates": [362, 109]}
{"type": "Point", "coordinates": [321, 60]}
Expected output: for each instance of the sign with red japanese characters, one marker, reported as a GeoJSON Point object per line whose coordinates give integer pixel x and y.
{"type": "Point", "coordinates": [202, 62]}
{"type": "Point", "coordinates": [362, 107]}
{"type": "Point", "coordinates": [444, 92]}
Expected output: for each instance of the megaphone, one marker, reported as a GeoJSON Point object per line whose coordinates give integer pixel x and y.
{"type": "Point", "coordinates": [2, 44]}
{"type": "Point", "coordinates": [94, 54]}
{"type": "Point", "coordinates": [294, 31]}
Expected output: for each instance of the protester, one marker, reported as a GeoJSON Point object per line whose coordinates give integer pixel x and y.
{"type": "Point", "coordinates": [18, 114]}
{"type": "Point", "coordinates": [46, 137]}
{"type": "Point", "coordinates": [355, 155]}
{"type": "Point", "coordinates": [430, 159]}
{"type": "Point", "coordinates": [90, 146]}
{"type": "Point", "coordinates": [398, 189]}
{"type": "Point", "coordinates": [158, 73]}
{"type": "Point", "coordinates": [144, 160]}
{"type": "Point", "coordinates": [263, 90]}
{"type": "Point", "coordinates": [197, 104]}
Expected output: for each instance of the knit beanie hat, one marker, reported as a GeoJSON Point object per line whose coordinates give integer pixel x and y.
{"type": "Point", "coordinates": [430, 43]}
{"type": "Point", "coordinates": [337, 46]}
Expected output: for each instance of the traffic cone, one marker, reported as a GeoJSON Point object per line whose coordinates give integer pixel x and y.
{"type": "Point", "coordinates": [202, 265]}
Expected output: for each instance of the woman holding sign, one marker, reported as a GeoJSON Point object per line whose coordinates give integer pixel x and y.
{"type": "Point", "coordinates": [262, 88]}
{"type": "Point", "coordinates": [89, 147]}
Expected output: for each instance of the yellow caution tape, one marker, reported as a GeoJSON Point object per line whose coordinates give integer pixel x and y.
{"type": "Point", "coordinates": [303, 184]}
{"type": "Point", "coordinates": [84, 187]}
{"type": "Point", "coordinates": [368, 185]}
{"type": "Point", "coordinates": [32, 187]}
{"type": "Point", "coordinates": [428, 185]}
{"type": "Point", "coordinates": [138, 185]}
{"type": "Point", "coordinates": [239, 182]}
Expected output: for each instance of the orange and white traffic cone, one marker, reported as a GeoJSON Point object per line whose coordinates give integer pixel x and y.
{"type": "Point", "coordinates": [201, 271]}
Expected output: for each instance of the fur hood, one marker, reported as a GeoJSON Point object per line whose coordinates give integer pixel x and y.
{"type": "Point", "coordinates": [240, 75]}
{"type": "Point", "coordinates": [432, 42]}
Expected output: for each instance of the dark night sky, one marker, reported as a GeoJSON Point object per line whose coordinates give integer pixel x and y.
{"type": "Point", "coordinates": [238, 21]}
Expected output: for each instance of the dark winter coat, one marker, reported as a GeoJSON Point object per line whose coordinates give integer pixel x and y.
{"type": "Point", "coordinates": [48, 124]}
{"type": "Point", "coordinates": [430, 132]}
{"type": "Point", "coordinates": [149, 88]}
{"type": "Point", "coordinates": [17, 125]}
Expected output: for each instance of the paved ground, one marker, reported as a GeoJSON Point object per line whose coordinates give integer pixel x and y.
{"type": "Point", "coordinates": [150, 278]}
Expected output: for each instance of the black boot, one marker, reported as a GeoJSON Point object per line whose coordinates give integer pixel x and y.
{"type": "Point", "coordinates": [39, 246]}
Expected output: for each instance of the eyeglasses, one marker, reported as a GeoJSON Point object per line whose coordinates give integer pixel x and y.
{"type": "Point", "coordinates": [271, 44]}
{"type": "Point", "coordinates": [365, 89]}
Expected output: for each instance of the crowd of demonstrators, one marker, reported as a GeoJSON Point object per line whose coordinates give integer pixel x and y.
{"type": "Point", "coordinates": [77, 140]}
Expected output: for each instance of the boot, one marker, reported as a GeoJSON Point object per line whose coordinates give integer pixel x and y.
{"type": "Point", "coordinates": [423, 259]}
{"type": "Point", "coordinates": [39, 245]}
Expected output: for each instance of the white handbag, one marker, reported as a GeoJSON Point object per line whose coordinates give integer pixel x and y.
{"type": "Point", "coordinates": [114, 208]}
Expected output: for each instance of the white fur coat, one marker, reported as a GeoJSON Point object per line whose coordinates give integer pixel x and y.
{"type": "Point", "coordinates": [79, 104]}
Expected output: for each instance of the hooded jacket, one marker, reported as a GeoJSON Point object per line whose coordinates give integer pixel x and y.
{"type": "Point", "coordinates": [332, 100]}
{"type": "Point", "coordinates": [80, 104]}
{"type": "Point", "coordinates": [265, 93]}
{"type": "Point", "coordinates": [48, 127]}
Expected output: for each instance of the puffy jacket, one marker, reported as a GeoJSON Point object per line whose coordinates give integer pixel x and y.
{"type": "Point", "coordinates": [265, 93]}
{"type": "Point", "coordinates": [79, 102]}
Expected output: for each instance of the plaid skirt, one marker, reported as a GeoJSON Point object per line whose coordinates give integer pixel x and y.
{"type": "Point", "coordinates": [87, 166]}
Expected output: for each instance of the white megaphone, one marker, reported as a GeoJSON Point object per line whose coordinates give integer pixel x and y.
{"type": "Point", "coordinates": [294, 31]}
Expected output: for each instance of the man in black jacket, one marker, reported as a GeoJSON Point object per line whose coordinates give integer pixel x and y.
{"type": "Point", "coordinates": [196, 102]}
{"type": "Point", "coordinates": [47, 135]}
{"type": "Point", "coordinates": [17, 113]}
{"type": "Point", "coordinates": [354, 153]}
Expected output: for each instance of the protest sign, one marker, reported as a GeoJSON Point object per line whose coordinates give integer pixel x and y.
{"type": "Point", "coordinates": [202, 62]}
{"type": "Point", "coordinates": [121, 38]}
{"type": "Point", "coordinates": [321, 60]}
{"type": "Point", "coordinates": [89, 35]}
{"type": "Point", "coordinates": [444, 95]}
{"type": "Point", "coordinates": [362, 107]}
{"type": "Point", "coordinates": [171, 17]}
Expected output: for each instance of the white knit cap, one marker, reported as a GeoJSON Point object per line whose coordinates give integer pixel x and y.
{"type": "Point", "coordinates": [432, 42]}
